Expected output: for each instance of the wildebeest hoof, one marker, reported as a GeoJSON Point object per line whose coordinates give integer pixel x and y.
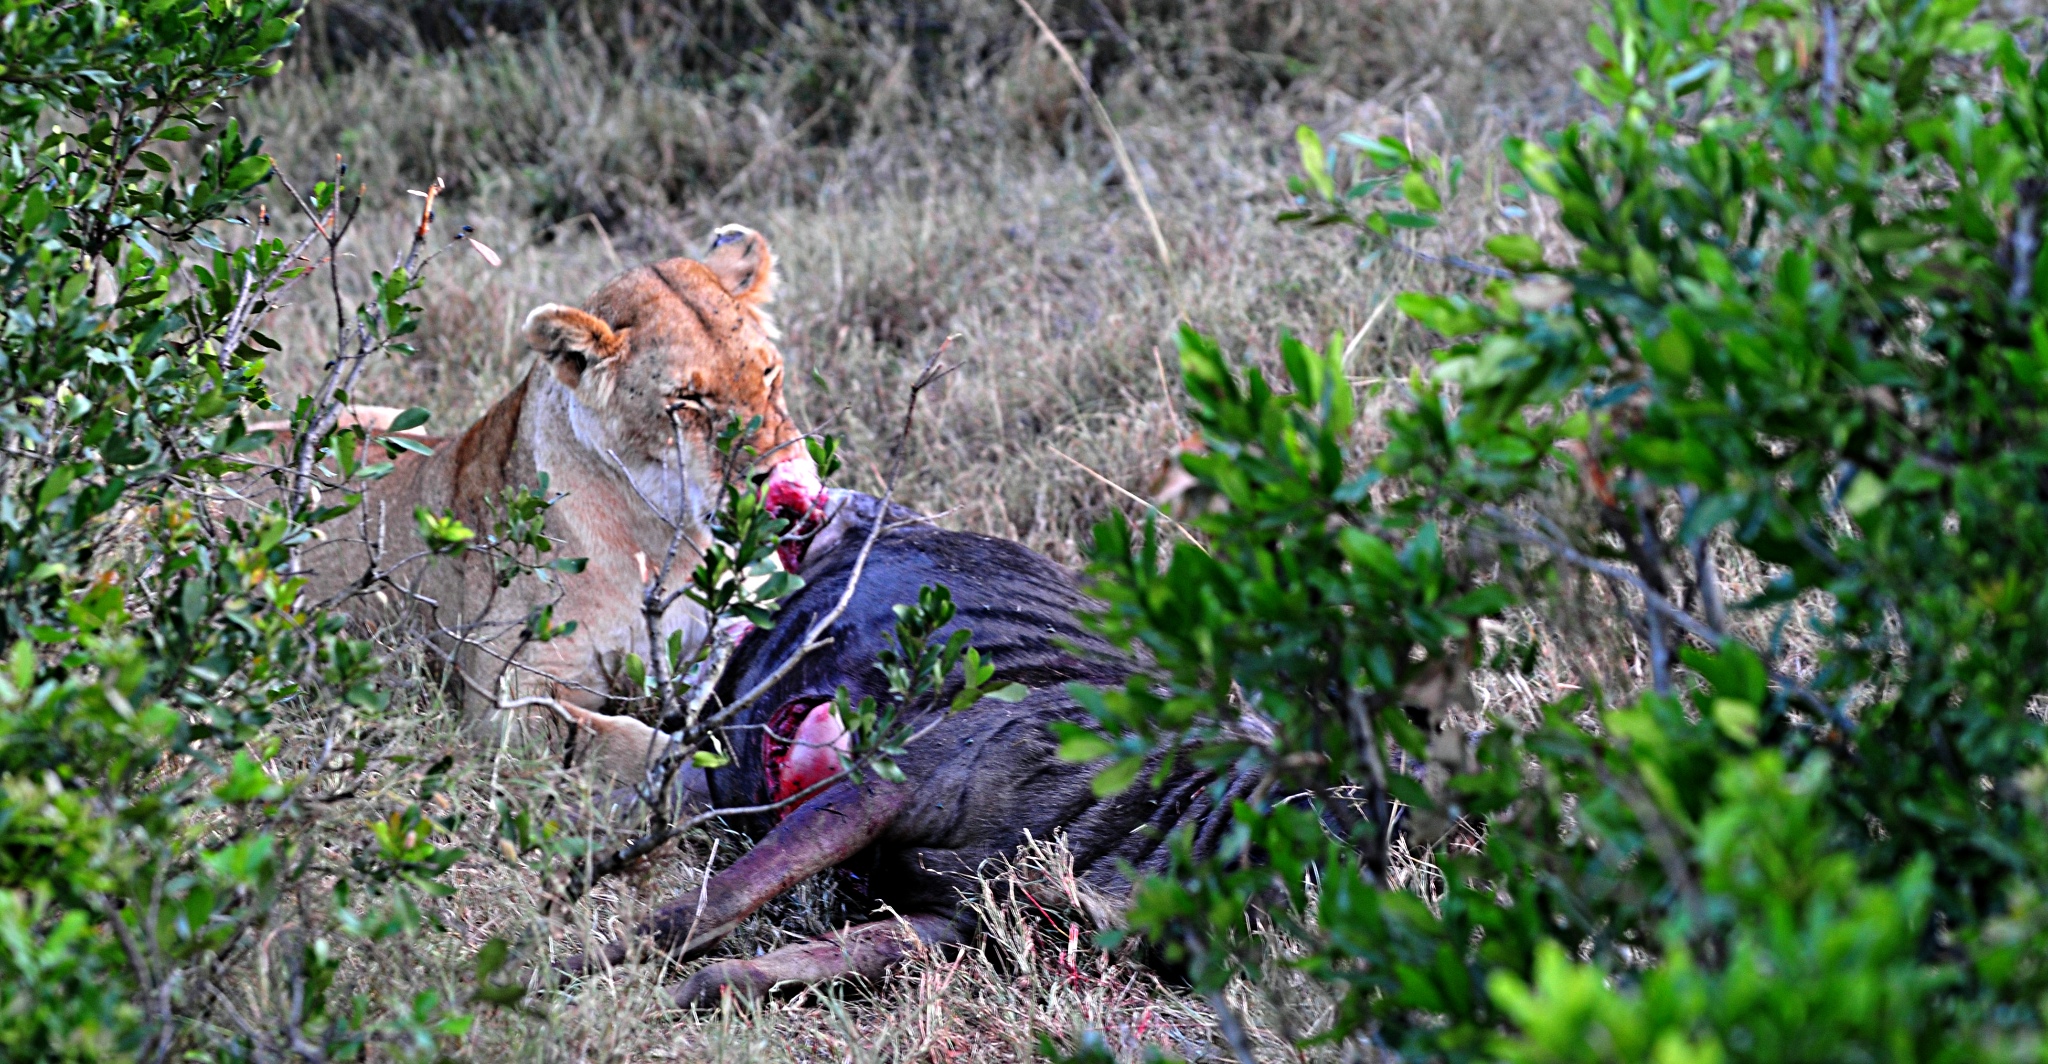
{"type": "Point", "coordinates": [744, 981]}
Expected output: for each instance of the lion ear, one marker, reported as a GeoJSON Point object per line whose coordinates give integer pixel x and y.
{"type": "Point", "coordinates": [571, 340]}
{"type": "Point", "coordinates": [740, 259]}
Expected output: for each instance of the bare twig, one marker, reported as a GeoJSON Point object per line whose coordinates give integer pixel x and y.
{"type": "Point", "coordinates": [1507, 527]}
{"type": "Point", "coordinates": [242, 320]}
{"type": "Point", "coordinates": [1706, 578]}
{"type": "Point", "coordinates": [1454, 261]}
{"type": "Point", "coordinates": [933, 370]}
{"type": "Point", "coordinates": [1830, 62]}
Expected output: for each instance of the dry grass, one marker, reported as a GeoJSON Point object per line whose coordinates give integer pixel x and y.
{"type": "Point", "coordinates": [964, 195]}
{"type": "Point", "coordinates": [1001, 218]}
{"type": "Point", "coordinates": [1034, 969]}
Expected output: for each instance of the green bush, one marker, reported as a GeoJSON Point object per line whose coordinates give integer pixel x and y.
{"type": "Point", "coordinates": [152, 838]}
{"type": "Point", "coordinates": [1800, 317]}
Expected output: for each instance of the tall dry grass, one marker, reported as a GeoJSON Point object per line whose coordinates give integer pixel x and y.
{"type": "Point", "coordinates": [917, 184]}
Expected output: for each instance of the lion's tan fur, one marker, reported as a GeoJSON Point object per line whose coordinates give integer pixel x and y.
{"type": "Point", "coordinates": [655, 363]}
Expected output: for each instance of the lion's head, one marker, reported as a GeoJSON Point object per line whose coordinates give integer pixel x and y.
{"type": "Point", "coordinates": [682, 347]}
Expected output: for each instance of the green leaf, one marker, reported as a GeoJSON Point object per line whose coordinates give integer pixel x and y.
{"type": "Point", "coordinates": [492, 957]}
{"type": "Point", "coordinates": [1671, 354]}
{"type": "Point", "coordinates": [503, 995]}
{"type": "Point", "coordinates": [1009, 692]}
{"type": "Point", "coordinates": [1079, 744]}
{"type": "Point", "coordinates": [1516, 251]}
{"type": "Point", "coordinates": [1387, 153]}
{"type": "Point", "coordinates": [1737, 719]}
{"type": "Point", "coordinates": [1314, 162]}
{"type": "Point", "coordinates": [1449, 315]}
{"type": "Point", "coordinates": [1644, 271]}
{"type": "Point", "coordinates": [410, 418]}
{"type": "Point", "coordinates": [1118, 777]}
{"type": "Point", "coordinates": [1865, 492]}
{"type": "Point", "coordinates": [1978, 37]}
{"type": "Point", "coordinates": [636, 673]}
{"type": "Point", "coordinates": [1888, 239]}
{"type": "Point", "coordinates": [246, 781]}
{"type": "Point", "coordinates": [248, 172]}
{"type": "Point", "coordinates": [1417, 190]}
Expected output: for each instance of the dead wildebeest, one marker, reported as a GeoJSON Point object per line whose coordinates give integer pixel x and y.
{"type": "Point", "coordinates": [974, 784]}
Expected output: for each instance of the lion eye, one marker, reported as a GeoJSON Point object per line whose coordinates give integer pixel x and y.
{"type": "Point", "coordinates": [768, 375]}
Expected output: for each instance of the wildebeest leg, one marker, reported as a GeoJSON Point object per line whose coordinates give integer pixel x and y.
{"type": "Point", "coordinates": [821, 833]}
{"type": "Point", "coordinates": [865, 951]}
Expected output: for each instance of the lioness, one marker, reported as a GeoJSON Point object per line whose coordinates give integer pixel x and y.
{"type": "Point", "coordinates": [621, 411]}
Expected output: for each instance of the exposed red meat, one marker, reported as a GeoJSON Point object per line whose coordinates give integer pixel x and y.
{"type": "Point", "coordinates": [801, 746]}
{"type": "Point", "coordinates": [794, 492]}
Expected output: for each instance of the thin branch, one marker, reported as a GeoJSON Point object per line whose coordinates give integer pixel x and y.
{"type": "Point", "coordinates": [934, 369]}
{"type": "Point", "coordinates": [1509, 528]}
{"type": "Point", "coordinates": [1453, 261]}
{"type": "Point", "coordinates": [1830, 62]}
{"type": "Point", "coordinates": [1706, 577]}
{"type": "Point", "coordinates": [1657, 830]}
{"type": "Point", "coordinates": [1649, 555]}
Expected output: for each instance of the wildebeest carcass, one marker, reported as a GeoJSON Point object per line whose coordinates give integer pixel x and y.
{"type": "Point", "coordinates": [974, 784]}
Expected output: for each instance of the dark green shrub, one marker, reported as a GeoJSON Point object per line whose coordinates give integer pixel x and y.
{"type": "Point", "coordinates": [1800, 315]}
{"type": "Point", "coordinates": [151, 829]}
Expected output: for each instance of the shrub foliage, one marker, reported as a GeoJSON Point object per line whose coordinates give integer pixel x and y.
{"type": "Point", "coordinates": [1798, 318]}
{"type": "Point", "coordinates": [154, 835]}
